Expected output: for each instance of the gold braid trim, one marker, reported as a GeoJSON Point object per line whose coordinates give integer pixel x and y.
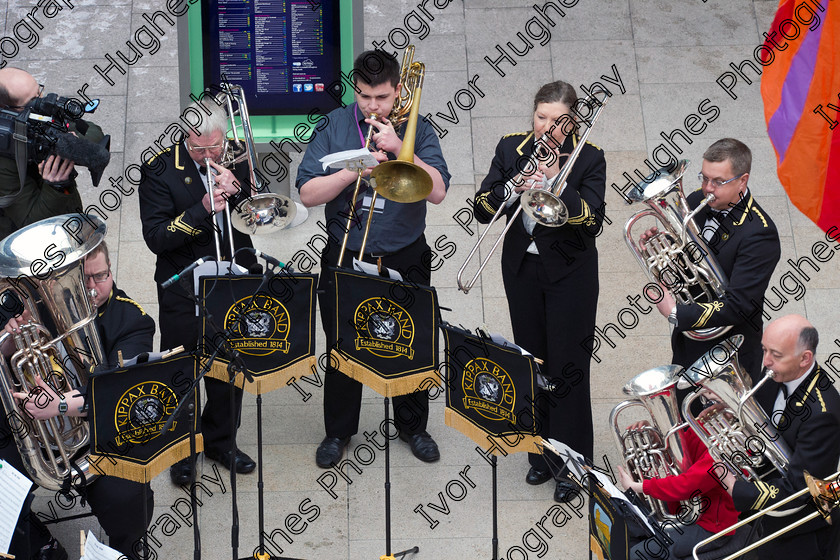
{"type": "Point", "coordinates": [765, 493]}
{"type": "Point", "coordinates": [761, 216]}
{"type": "Point", "coordinates": [482, 200]}
{"type": "Point", "coordinates": [131, 301]}
{"type": "Point", "coordinates": [586, 217]}
{"type": "Point", "coordinates": [810, 388]}
{"type": "Point", "coordinates": [178, 224]}
{"type": "Point", "coordinates": [708, 310]}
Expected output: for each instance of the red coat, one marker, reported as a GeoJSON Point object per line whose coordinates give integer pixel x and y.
{"type": "Point", "coordinates": [696, 484]}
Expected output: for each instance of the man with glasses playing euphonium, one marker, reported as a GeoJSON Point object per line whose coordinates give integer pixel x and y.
{"type": "Point", "coordinates": [396, 237]}
{"type": "Point", "coordinates": [744, 241]}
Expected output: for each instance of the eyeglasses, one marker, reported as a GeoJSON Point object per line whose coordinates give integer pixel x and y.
{"type": "Point", "coordinates": [212, 148]}
{"type": "Point", "coordinates": [99, 277]}
{"type": "Point", "coordinates": [716, 183]}
{"type": "Point", "coordinates": [21, 107]}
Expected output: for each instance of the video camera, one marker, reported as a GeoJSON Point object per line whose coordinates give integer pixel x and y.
{"type": "Point", "coordinates": [43, 129]}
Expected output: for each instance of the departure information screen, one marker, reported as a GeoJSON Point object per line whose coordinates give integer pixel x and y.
{"type": "Point", "coordinates": [284, 53]}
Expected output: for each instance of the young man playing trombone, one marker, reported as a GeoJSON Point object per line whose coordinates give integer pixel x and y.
{"type": "Point", "coordinates": [396, 238]}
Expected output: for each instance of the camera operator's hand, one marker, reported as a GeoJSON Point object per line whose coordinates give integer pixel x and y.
{"type": "Point", "coordinates": [55, 169]}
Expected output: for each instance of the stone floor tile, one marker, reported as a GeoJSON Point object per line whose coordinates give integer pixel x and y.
{"type": "Point", "coordinates": [656, 22]}
{"type": "Point", "coordinates": [582, 63]}
{"type": "Point", "coordinates": [486, 29]}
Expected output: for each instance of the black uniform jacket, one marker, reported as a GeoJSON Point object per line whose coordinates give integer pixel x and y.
{"type": "Point", "coordinates": [123, 326]}
{"type": "Point", "coordinates": [811, 428]}
{"type": "Point", "coordinates": [746, 246]}
{"type": "Point", "coordinates": [176, 226]}
{"type": "Point", "coordinates": [562, 249]}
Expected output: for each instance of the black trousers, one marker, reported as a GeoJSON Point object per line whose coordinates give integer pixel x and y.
{"type": "Point", "coordinates": [552, 320]}
{"type": "Point", "coordinates": [117, 504]}
{"type": "Point", "coordinates": [179, 326]}
{"type": "Point", "coordinates": [343, 395]}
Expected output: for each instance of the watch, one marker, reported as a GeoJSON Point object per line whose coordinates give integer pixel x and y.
{"type": "Point", "coordinates": [672, 317]}
{"type": "Point", "coordinates": [62, 407]}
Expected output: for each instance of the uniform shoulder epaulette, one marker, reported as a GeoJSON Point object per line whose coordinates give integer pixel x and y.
{"type": "Point", "coordinates": [515, 134]}
{"type": "Point", "coordinates": [151, 159]}
{"type": "Point", "coordinates": [596, 146]}
{"type": "Point", "coordinates": [132, 302]}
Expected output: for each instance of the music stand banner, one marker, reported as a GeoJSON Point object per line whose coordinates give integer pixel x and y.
{"type": "Point", "coordinates": [490, 392]}
{"type": "Point", "coordinates": [386, 332]}
{"type": "Point", "coordinates": [128, 408]}
{"type": "Point", "coordinates": [274, 330]}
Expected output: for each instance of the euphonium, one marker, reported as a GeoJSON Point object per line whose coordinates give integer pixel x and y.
{"type": "Point", "coordinates": [736, 429]}
{"type": "Point", "coordinates": [677, 256]}
{"type": "Point", "coordinates": [43, 265]}
{"type": "Point", "coordinates": [655, 451]}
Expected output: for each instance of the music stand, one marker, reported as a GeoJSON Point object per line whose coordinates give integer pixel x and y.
{"type": "Point", "coordinates": [389, 346]}
{"type": "Point", "coordinates": [274, 334]}
{"type": "Point", "coordinates": [490, 388]}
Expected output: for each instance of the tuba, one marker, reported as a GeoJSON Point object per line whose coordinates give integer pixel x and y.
{"type": "Point", "coordinates": [55, 451]}
{"type": "Point", "coordinates": [677, 256]}
{"type": "Point", "coordinates": [656, 450]}
{"type": "Point", "coordinates": [736, 429]}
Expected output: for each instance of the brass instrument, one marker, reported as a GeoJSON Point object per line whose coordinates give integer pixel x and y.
{"type": "Point", "coordinates": [733, 427]}
{"type": "Point", "coordinates": [54, 451]}
{"type": "Point", "coordinates": [400, 180]}
{"type": "Point", "coordinates": [542, 205]}
{"type": "Point", "coordinates": [262, 213]}
{"type": "Point", "coordinates": [677, 256]}
{"type": "Point", "coordinates": [656, 450]}
{"type": "Point", "coordinates": [826, 495]}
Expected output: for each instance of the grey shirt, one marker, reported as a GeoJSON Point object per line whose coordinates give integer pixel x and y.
{"type": "Point", "coordinates": [395, 225]}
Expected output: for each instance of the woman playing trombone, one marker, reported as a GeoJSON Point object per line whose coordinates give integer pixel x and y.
{"type": "Point", "coordinates": [551, 273]}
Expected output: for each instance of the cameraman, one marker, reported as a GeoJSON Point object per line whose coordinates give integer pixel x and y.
{"type": "Point", "coordinates": [49, 188]}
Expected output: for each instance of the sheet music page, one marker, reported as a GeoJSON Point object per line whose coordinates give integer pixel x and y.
{"type": "Point", "coordinates": [14, 487]}
{"type": "Point", "coordinates": [577, 464]}
{"type": "Point", "coordinates": [353, 160]}
{"type": "Point", "coordinates": [95, 550]}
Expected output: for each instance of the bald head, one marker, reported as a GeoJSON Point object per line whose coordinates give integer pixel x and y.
{"type": "Point", "coordinates": [789, 345]}
{"type": "Point", "coordinates": [17, 87]}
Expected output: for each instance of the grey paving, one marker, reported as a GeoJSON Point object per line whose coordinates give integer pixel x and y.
{"type": "Point", "coordinates": [668, 55]}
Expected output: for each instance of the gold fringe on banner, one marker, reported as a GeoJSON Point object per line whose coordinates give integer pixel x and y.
{"type": "Point", "coordinates": [527, 443]}
{"type": "Point", "coordinates": [144, 473]}
{"type": "Point", "coordinates": [402, 385]}
{"type": "Point", "coordinates": [266, 382]}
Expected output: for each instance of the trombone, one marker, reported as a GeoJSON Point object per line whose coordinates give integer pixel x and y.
{"type": "Point", "coordinates": [826, 498]}
{"type": "Point", "coordinates": [399, 180]}
{"type": "Point", "coordinates": [260, 213]}
{"type": "Point", "coordinates": [540, 204]}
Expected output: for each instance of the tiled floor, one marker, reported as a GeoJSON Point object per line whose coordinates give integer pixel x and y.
{"type": "Point", "coordinates": [667, 54]}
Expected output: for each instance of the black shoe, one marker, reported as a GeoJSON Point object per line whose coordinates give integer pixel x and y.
{"type": "Point", "coordinates": [51, 551]}
{"type": "Point", "coordinates": [537, 476]}
{"type": "Point", "coordinates": [565, 491]}
{"type": "Point", "coordinates": [330, 451]}
{"type": "Point", "coordinates": [180, 472]}
{"type": "Point", "coordinates": [423, 446]}
{"type": "Point", "coordinates": [244, 464]}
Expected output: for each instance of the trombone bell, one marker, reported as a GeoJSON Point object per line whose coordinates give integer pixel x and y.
{"type": "Point", "coordinates": [264, 214]}
{"type": "Point", "coordinates": [545, 208]}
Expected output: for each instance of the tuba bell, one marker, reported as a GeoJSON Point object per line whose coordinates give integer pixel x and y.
{"type": "Point", "coordinates": [54, 451]}
{"type": "Point", "coordinates": [735, 428]}
{"type": "Point", "coordinates": [677, 256]}
{"type": "Point", "coordinates": [655, 450]}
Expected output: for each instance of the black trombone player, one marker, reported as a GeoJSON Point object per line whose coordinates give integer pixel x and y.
{"type": "Point", "coordinates": [178, 226]}
{"type": "Point", "coordinates": [396, 238]}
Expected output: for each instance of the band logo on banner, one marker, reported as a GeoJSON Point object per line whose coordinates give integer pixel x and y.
{"type": "Point", "coordinates": [490, 393]}
{"type": "Point", "coordinates": [128, 409]}
{"type": "Point", "coordinates": [386, 332]}
{"type": "Point", "coordinates": [274, 330]}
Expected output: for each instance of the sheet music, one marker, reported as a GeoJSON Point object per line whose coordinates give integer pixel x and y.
{"type": "Point", "coordinates": [502, 341]}
{"type": "Point", "coordinates": [368, 268]}
{"type": "Point", "coordinates": [577, 464]}
{"type": "Point", "coordinates": [14, 487]}
{"type": "Point", "coordinates": [353, 160]}
{"type": "Point", "coordinates": [95, 550]}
